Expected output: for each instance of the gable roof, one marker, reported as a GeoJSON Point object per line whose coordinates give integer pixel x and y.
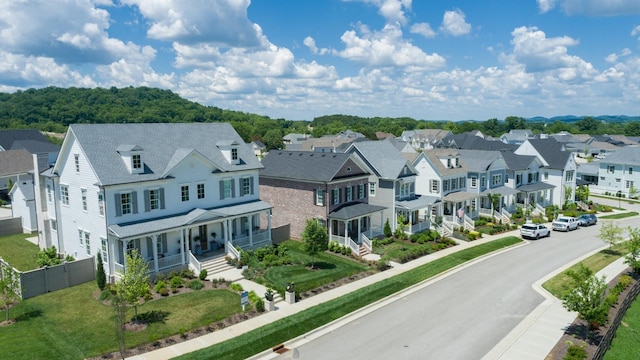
{"type": "Point", "coordinates": [163, 144]}
{"type": "Point", "coordinates": [472, 142]}
{"type": "Point", "coordinates": [517, 162]}
{"type": "Point", "coordinates": [384, 159]}
{"type": "Point", "coordinates": [479, 161]}
{"type": "Point", "coordinates": [28, 139]}
{"type": "Point", "coordinates": [305, 165]}
{"type": "Point", "coordinates": [628, 155]}
{"type": "Point", "coordinates": [552, 152]}
{"type": "Point", "coordinates": [433, 157]}
{"type": "Point", "coordinates": [14, 162]}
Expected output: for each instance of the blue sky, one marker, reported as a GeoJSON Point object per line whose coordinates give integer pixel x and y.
{"type": "Point", "coordinates": [295, 59]}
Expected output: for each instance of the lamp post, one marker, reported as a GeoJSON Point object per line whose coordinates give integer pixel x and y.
{"type": "Point", "coordinates": [619, 195]}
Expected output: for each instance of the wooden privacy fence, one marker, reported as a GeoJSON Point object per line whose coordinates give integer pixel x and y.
{"type": "Point", "coordinates": [52, 278]}
{"type": "Point", "coordinates": [605, 343]}
{"type": "Point", "coordinates": [10, 226]}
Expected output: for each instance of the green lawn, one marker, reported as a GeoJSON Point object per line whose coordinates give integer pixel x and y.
{"type": "Point", "coordinates": [18, 252]}
{"type": "Point", "coordinates": [295, 325]}
{"type": "Point", "coordinates": [71, 324]}
{"type": "Point", "coordinates": [625, 343]}
{"type": "Point", "coordinates": [328, 268]}
{"type": "Point", "coordinates": [561, 283]}
{"type": "Point", "coordinates": [618, 216]}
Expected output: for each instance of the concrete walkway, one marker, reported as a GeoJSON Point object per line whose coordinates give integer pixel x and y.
{"type": "Point", "coordinates": [533, 338]}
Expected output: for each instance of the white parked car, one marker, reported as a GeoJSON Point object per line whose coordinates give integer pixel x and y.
{"type": "Point", "coordinates": [564, 223]}
{"type": "Point", "coordinates": [534, 231]}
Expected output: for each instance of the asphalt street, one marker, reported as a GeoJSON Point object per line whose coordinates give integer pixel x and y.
{"type": "Point", "coordinates": [463, 315]}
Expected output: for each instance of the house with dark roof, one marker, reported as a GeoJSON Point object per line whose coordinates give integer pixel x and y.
{"type": "Point", "coordinates": [331, 188]}
{"type": "Point", "coordinates": [425, 138]}
{"type": "Point", "coordinates": [619, 171]}
{"type": "Point", "coordinates": [174, 192]}
{"type": "Point", "coordinates": [558, 167]}
{"type": "Point", "coordinates": [525, 175]}
{"type": "Point", "coordinates": [30, 140]}
{"type": "Point", "coordinates": [468, 141]}
{"type": "Point", "coordinates": [259, 148]}
{"type": "Point", "coordinates": [392, 185]}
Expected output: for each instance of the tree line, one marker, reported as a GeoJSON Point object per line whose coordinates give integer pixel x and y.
{"type": "Point", "coordinates": [53, 109]}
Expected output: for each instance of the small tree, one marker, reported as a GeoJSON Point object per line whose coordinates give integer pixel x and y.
{"type": "Point", "coordinates": [633, 192]}
{"type": "Point", "coordinates": [135, 280]}
{"type": "Point", "coordinates": [101, 277]}
{"type": "Point", "coordinates": [315, 239]}
{"type": "Point", "coordinates": [587, 296]}
{"type": "Point", "coordinates": [48, 257]}
{"type": "Point", "coordinates": [494, 199]}
{"type": "Point", "coordinates": [610, 233]}
{"type": "Point", "coordinates": [9, 288]}
{"type": "Point", "coordinates": [568, 191]}
{"type": "Point", "coordinates": [633, 245]}
{"type": "Point", "coordinates": [582, 193]}
{"type": "Point", "coordinates": [387, 229]}
{"type": "Point", "coordinates": [399, 233]}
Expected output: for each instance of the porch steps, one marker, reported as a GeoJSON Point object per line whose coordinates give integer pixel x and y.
{"type": "Point", "coordinates": [364, 251]}
{"type": "Point", "coordinates": [216, 265]}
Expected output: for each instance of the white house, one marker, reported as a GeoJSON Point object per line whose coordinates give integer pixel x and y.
{"type": "Point", "coordinates": [172, 191]}
{"type": "Point", "coordinates": [559, 167]}
{"type": "Point", "coordinates": [620, 171]}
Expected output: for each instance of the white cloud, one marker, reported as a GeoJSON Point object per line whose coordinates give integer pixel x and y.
{"type": "Point", "coordinates": [454, 23]}
{"type": "Point", "coordinates": [546, 5]}
{"type": "Point", "coordinates": [219, 22]}
{"type": "Point", "coordinates": [600, 7]}
{"type": "Point", "coordinates": [386, 48]}
{"type": "Point", "coordinates": [28, 71]}
{"type": "Point", "coordinates": [423, 29]}
{"type": "Point", "coordinates": [391, 10]}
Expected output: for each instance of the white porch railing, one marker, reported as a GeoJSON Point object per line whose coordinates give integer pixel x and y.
{"type": "Point", "coordinates": [258, 239]}
{"type": "Point", "coordinates": [496, 216]}
{"type": "Point", "coordinates": [469, 223]}
{"type": "Point", "coordinates": [233, 251]}
{"type": "Point", "coordinates": [167, 262]}
{"type": "Point", "coordinates": [355, 248]}
{"type": "Point", "coordinates": [193, 261]}
{"type": "Point", "coordinates": [366, 242]}
{"type": "Point", "coordinates": [339, 239]}
{"type": "Point", "coordinates": [118, 267]}
{"type": "Point", "coordinates": [447, 229]}
{"type": "Point", "coordinates": [374, 231]}
{"type": "Point", "coordinates": [485, 212]}
{"type": "Point", "coordinates": [474, 213]}
{"type": "Point", "coordinates": [506, 216]}
{"type": "Point", "coordinates": [540, 209]}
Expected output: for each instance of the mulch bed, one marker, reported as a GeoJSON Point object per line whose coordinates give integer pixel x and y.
{"type": "Point", "coordinates": [577, 332]}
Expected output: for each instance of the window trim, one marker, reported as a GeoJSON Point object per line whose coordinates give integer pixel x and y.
{"type": "Point", "coordinates": [184, 192]}
{"type": "Point", "coordinates": [83, 195]}
{"type": "Point", "coordinates": [200, 191]}
{"type": "Point", "coordinates": [372, 188]}
{"type": "Point", "coordinates": [76, 159]}
{"type": "Point", "coordinates": [136, 161]}
{"type": "Point", "coordinates": [128, 204]}
{"type": "Point", "coordinates": [319, 197]}
{"type": "Point", "coordinates": [64, 194]}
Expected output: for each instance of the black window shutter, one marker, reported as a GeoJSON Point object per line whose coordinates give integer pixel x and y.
{"type": "Point", "coordinates": [118, 201]}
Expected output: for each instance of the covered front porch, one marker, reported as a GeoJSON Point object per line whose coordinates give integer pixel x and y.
{"type": "Point", "coordinates": [416, 213]}
{"type": "Point", "coordinates": [178, 241]}
{"type": "Point", "coordinates": [540, 194]}
{"type": "Point", "coordinates": [351, 225]}
{"type": "Point", "coordinates": [504, 195]}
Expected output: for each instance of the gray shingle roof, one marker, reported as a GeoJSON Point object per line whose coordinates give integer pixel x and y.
{"type": "Point", "coordinates": [552, 152]}
{"type": "Point", "coordinates": [478, 160]}
{"type": "Point", "coordinates": [30, 140]}
{"type": "Point", "coordinates": [628, 155]}
{"type": "Point", "coordinates": [386, 160]}
{"type": "Point", "coordinates": [162, 144]}
{"type": "Point", "coordinates": [305, 165]}
{"type": "Point", "coordinates": [517, 162]}
{"type": "Point", "coordinates": [14, 162]}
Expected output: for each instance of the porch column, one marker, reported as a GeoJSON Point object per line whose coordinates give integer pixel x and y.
{"type": "Point", "coordinates": [330, 228]}
{"type": "Point", "coordinates": [124, 254]}
{"type": "Point", "coordinates": [382, 221]}
{"type": "Point", "coordinates": [182, 246]}
{"type": "Point", "coordinates": [269, 225]}
{"type": "Point", "coordinates": [411, 221]}
{"type": "Point", "coordinates": [250, 220]}
{"type": "Point", "coordinates": [228, 232]}
{"type": "Point", "coordinates": [359, 228]}
{"type": "Point", "coordinates": [346, 234]}
{"type": "Point", "coordinates": [154, 241]}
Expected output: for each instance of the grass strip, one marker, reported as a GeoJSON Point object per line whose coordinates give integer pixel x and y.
{"type": "Point", "coordinates": [19, 252]}
{"type": "Point", "coordinates": [265, 337]}
{"type": "Point", "coordinates": [619, 216]}
{"type": "Point", "coordinates": [560, 284]}
{"type": "Point", "coordinates": [625, 343]}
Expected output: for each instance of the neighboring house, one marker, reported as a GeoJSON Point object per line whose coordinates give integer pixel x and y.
{"type": "Point", "coordinates": [516, 136]}
{"type": "Point", "coordinates": [468, 141]}
{"type": "Point", "coordinates": [16, 167]}
{"type": "Point", "coordinates": [28, 139]}
{"type": "Point", "coordinates": [559, 167]}
{"type": "Point", "coordinates": [294, 138]}
{"type": "Point", "coordinates": [323, 144]}
{"type": "Point", "coordinates": [259, 149]}
{"type": "Point", "coordinates": [423, 139]}
{"type": "Point", "coordinates": [525, 175]}
{"type": "Point", "coordinates": [171, 191]}
{"type": "Point", "coordinates": [392, 185]}
{"type": "Point", "coordinates": [589, 173]}
{"type": "Point", "coordinates": [330, 188]}
{"type": "Point", "coordinates": [619, 171]}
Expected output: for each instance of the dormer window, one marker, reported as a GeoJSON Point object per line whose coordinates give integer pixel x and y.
{"type": "Point", "coordinates": [137, 161]}
{"type": "Point", "coordinates": [229, 149]}
{"type": "Point", "coordinates": [132, 158]}
{"type": "Point", "coordinates": [234, 154]}
{"type": "Point", "coordinates": [457, 162]}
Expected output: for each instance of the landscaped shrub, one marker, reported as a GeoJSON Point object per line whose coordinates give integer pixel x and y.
{"type": "Point", "coordinates": [203, 274]}
{"type": "Point", "coordinates": [164, 291]}
{"type": "Point", "coordinates": [575, 352]}
{"type": "Point", "coordinates": [160, 285]}
{"type": "Point", "coordinates": [188, 274]}
{"type": "Point", "coordinates": [195, 284]}
{"type": "Point", "coordinates": [176, 282]}
{"type": "Point", "coordinates": [260, 305]}
{"type": "Point", "coordinates": [236, 287]}
{"type": "Point", "coordinates": [382, 264]}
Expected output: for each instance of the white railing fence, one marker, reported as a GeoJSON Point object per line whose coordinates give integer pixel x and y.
{"type": "Point", "coordinates": [366, 242]}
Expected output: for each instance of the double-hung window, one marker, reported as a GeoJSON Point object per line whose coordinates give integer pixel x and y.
{"type": "Point", "coordinates": [246, 186]}
{"type": "Point", "coordinates": [336, 196]}
{"type": "Point", "coordinates": [125, 201]}
{"type": "Point", "coordinates": [200, 191]}
{"type": "Point", "coordinates": [227, 188]}
{"type": "Point", "coordinates": [184, 192]}
{"type": "Point", "coordinates": [64, 194]}
{"type": "Point", "coordinates": [76, 158]}
{"type": "Point", "coordinates": [319, 197]}
{"type": "Point", "coordinates": [435, 186]}
{"type": "Point", "coordinates": [349, 193]}
{"type": "Point", "coordinates": [84, 199]}
{"type": "Point", "coordinates": [154, 199]}
{"type": "Point", "coordinates": [136, 161]}
{"type": "Point", "coordinates": [569, 175]}
{"type": "Point", "coordinates": [361, 191]}
{"type": "Point", "coordinates": [474, 182]}
{"type": "Point", "coordinates": [372, 189]}
{"type": "Point", "coordinates": [496, 180]}
{"type": "Point", "coordinates": [101, 204]}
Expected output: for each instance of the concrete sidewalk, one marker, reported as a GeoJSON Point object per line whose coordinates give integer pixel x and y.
{"type": "Point", "coordinates": [533, 338]}
{"type": "Point", "coordinates": [540, 331]}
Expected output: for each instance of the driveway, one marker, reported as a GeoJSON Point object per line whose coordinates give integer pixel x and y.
{"type": "Point", "coordinates": [462, 316]}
